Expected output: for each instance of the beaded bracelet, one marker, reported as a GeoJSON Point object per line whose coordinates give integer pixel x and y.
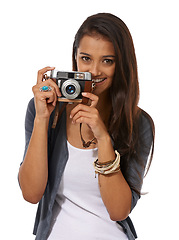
{"type": "Point", "coordinates": [108, 167]}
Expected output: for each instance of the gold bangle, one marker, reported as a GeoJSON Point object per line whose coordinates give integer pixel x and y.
{"type": "Point", "coordinates": [108, 167]}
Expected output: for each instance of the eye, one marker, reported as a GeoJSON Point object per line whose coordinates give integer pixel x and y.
{"type": "Point", "coordinates": [85, 58]}
{"type": "Point", "coordinates": [108, 61]}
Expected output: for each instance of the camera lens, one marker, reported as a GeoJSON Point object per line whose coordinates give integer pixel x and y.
{"type": "Point", "coordinates": [70, 89]}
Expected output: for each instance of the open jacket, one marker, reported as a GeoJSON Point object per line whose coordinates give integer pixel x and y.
{"type": "Point", "coordinates": [58, 157]}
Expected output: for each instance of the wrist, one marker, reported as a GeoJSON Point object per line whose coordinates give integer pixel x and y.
{"type": "Point", "coordinates": [105, 149]}
{"type": "Point", "coordinates": [41, 121]}
{"type": "Point", "coordinates": [105, 140]}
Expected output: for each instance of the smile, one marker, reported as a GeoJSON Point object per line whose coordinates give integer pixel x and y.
{"type": "Point", "coordinates": [99, 80]}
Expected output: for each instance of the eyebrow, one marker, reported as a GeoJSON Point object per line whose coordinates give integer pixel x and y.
{"type": "Point", "coordinates": [85, 54]}
{"type": "Point", "coordinates": [109, 56]}
{"type": "Point", "coordinates": [103, 56]}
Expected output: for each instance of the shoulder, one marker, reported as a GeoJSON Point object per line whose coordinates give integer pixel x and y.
{"type": "Point", "coordinates": [146, 130]}
{"type": "Point", "coordinates": [146, 124]}
{"type": "Point", "coordinates": [146, 118]}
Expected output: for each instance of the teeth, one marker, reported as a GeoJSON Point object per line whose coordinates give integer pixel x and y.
{"type": "Point", "coordinates": [98, 80]}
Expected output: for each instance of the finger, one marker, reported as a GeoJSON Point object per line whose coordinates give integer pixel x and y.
{"type": "Point", "coordinates": [80, 115]}
{"type": "Point", "coordinates": [51, 83]}
{"type": "Point", "coordinates": [53, 97]}
{"type": "Point", "coordinates": [79, 107]}
{"type": "Point", "coordinates": [83, 120]}
{"type": "Point", "coordinates": [50, 97]}
{"type": "Point", "coordinates": [41, 73]}
{"type": "Point", "coordinates": [52, 100]}
{"type": "Point", "coordinates": [90, 121]}
{"type": "Point", "coordinates": [94, 99]}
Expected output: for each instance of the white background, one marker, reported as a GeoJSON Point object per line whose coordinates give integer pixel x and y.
{"type": "Point", "coordinates": [38, 33]}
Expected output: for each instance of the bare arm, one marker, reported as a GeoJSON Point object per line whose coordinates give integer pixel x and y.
{"type": "Point", "coordinates": [117, 195]}
{"type": "Point", "coordinates": [33, 173]}
{"type": "Point", "coordinates": [115, 191]}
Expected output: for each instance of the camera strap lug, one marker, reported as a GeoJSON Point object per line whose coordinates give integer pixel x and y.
{"type": "Point", "coordinates": [93, 86]}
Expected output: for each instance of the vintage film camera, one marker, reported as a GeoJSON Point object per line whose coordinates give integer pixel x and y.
{"type": "Point", "coordinates": [72, 84]}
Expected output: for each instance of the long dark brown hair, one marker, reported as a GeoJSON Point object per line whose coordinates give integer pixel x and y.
{"type": "Point", "coordinates": [124, 91]}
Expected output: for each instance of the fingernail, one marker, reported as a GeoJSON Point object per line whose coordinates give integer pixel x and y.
{"type": "Point", "coordinates": [84, 93]}
{"type": "Point", "coordinates": [70, 116]}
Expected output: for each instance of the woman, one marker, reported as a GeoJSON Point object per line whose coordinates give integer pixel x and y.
{"type": "Point", "coordinates": [58, 171]}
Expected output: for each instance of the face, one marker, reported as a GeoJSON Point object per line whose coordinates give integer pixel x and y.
{"type": "Point", "coordinates": [97, 56]}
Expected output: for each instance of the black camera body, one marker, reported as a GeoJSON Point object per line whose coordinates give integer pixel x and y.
{"type": "Point", "coordinates": [72, 84]}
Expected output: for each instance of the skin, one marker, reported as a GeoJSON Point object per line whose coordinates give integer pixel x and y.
{"type": "Point", "coordinates": [96, 55]}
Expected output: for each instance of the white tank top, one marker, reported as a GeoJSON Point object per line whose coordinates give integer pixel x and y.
{"type": "Point", "coordinates": [79, 212]}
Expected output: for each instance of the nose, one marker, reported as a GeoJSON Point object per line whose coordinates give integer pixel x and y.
{"type": "Point", "coordinates": [95, 69]}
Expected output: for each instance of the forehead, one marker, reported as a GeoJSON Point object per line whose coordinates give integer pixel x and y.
{"type": "Point", "coordinates": [96, 44]}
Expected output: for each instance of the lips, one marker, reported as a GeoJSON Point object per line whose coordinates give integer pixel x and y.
{"type": "Point", "coordinates": [99, 80]}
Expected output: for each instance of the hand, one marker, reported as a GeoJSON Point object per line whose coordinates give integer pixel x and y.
{"type": "Point", "coordinates": [90, 115]}
{"type": "Point", "coordinates": [45, 102]}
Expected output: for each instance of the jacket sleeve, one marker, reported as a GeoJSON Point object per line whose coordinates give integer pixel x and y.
{"type": "Point", "coordinates": [137, 169]}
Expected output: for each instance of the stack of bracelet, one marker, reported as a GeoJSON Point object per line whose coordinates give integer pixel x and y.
{"type": "Point", "coordinates": [108, 167]}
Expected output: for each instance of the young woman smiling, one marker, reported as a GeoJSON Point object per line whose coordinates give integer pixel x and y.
{"type": "Point", "coordinates": [58, 172]}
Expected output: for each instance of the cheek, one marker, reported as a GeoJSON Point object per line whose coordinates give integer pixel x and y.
{"type": "Point", "coordinates": [81, 67]}
{"type": "Point", "coordinates": [111, 72]}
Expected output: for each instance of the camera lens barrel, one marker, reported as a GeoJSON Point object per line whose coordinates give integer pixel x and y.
{"type": "Point", "coordinates": [70, 89]}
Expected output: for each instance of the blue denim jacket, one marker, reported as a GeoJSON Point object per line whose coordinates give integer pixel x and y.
{"type": "Point", "coordinates": [58, 157]}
